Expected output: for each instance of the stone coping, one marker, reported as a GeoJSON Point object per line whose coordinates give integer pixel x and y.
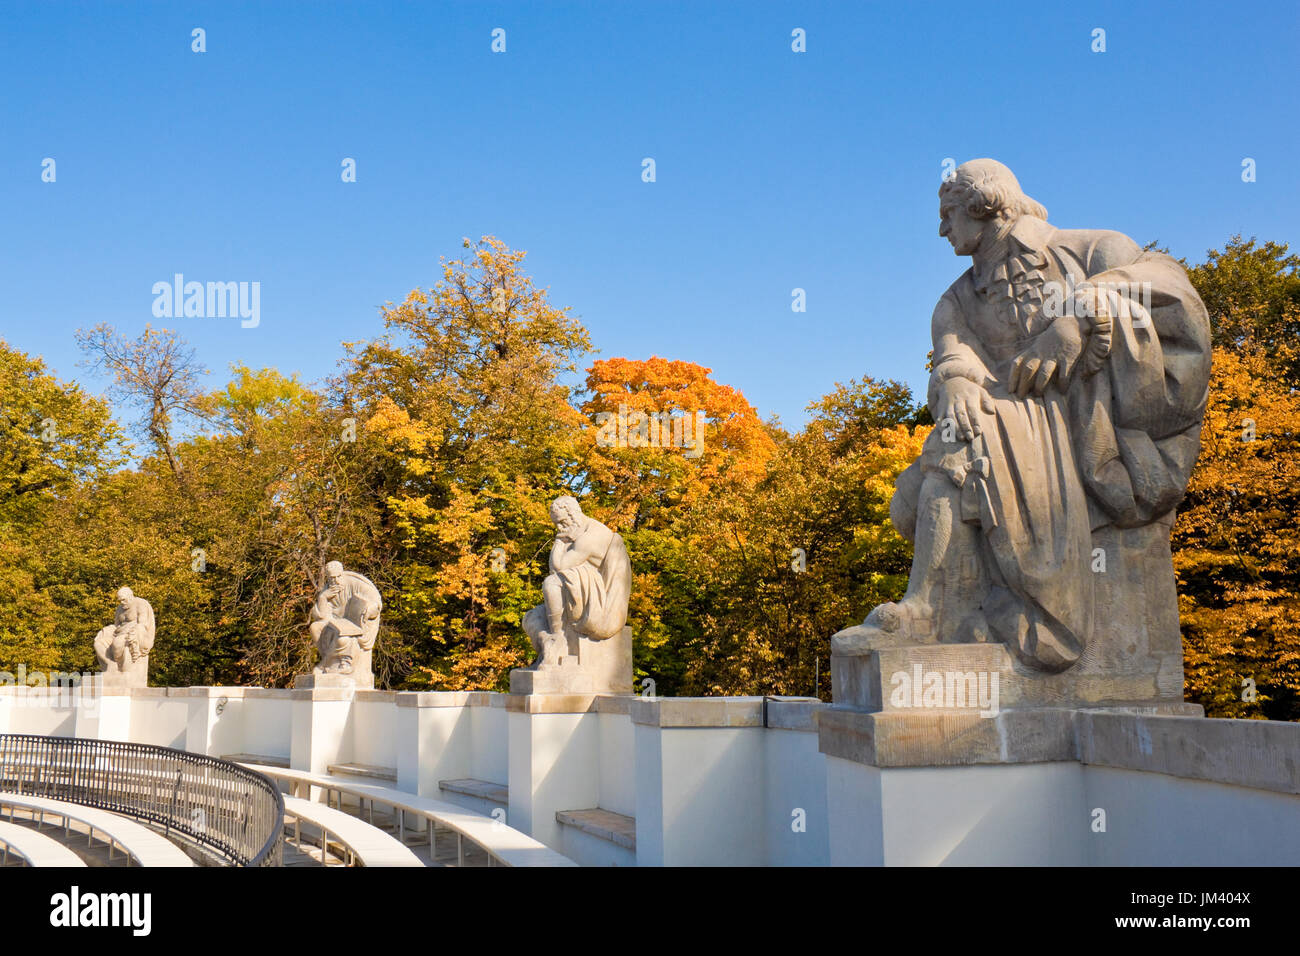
{"type": "Point", "coordinates": [233, 693]}
{"type": "Point", "coordinates": [776, 713]}
{"type": "Point", "coordinates": [449, 698]}
{"type": "Point", "coordinates": [698, 711]}
{"type": "Point", "coordinates": [317, 694]}
{"type": "Point", "coordinates": [148, 692]}
{"type": "Point", "coordinates": [569, 703]}
{"type": "Point", "coordinates": [376, 696]}
{"type": "Point", "coordinates": [21, 690]}
{"type": "Point", "coordinates": [792, 713]}
{"type": "Point", "coordinates": [551, 703]}
{"type": "Point", "coordinates": [618, 704]}
{"type": "Point", "coordinates": [214, 693]}
{"type": "Point", "coordinates": [270, 693]}
{"type": "Point", "coordinates": [1260, 754]}
{"type": "Point", "coordinates": [211, 693]}
{"type": "Point", "coordinates": [783, 713]}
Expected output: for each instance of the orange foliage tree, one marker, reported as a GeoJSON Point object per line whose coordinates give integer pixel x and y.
{"type": "Point", "coordinates": [1236, 541]}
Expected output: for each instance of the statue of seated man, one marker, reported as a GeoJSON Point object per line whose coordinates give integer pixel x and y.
{"type": "Point", "coordinates": [345, 623]}
{"type": "Point", "coordinates": [123, 647]}
{"type": "Point", "coordinates": [1068, 382]}
{"type": "Point", "coordinates": [588, 588]}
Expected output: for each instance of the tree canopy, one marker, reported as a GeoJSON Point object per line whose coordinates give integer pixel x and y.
{"type": "Point", "coordinates": [429, 460]}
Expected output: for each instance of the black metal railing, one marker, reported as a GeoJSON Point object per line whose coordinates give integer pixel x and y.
{"type": "Point", "coordinates": [231, 810]}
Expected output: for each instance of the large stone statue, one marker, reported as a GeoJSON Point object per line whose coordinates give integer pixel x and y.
{"type": "Point", "coordinates": [344, 626]}
{"type": "Point", "coordinates": [123, 647]}
{"type": "Point", "coordinates": [1068, 383]}
{"type": "Point", "coordinates": [579, 630]}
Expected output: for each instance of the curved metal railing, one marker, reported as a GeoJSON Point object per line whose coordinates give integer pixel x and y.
{"type": "Point", "coordinates": [231, 810]}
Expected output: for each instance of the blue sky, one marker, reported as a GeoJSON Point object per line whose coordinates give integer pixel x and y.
{"type": "Point", "coordinates": [775, 169]}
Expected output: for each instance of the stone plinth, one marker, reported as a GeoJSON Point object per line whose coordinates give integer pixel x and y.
{"type": "Point", "coordinates": [315, 681]}
{"type": "Point", "coordinates": [121, 681]}
{"type": "Point", "coordinates": [985, 679]}
{"type": "Point", "coordinates": [590, 667]}
{"type": "Point", "coordinates": [1135, 657]}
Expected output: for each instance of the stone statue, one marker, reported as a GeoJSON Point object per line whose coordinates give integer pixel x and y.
{"type": "Point", "coordinates": [579, 630]}
{"type": "Point", "coordinates": [344, 626]}
{"type": "Point", "coordinates": [123, 647]}
{"type": "Point", "coordinates": [1069, 379]}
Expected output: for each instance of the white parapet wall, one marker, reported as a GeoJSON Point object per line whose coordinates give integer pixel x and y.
{"type": "Point", "coordinates": [606, 780]}
{"type": "Point", "coordinates": [1061, 788]}
{"type": "Point", "coordinates": [623, 780]}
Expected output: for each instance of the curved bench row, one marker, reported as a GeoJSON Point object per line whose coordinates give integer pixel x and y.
{"type": "Point", "coordinates": [140, 843]}
{"type": "Point", "coordinates": [367, 844]}
{"type": "Point", "coordinates": [504, 846]}
{"type": "Point", "coordinates": [35, 848]}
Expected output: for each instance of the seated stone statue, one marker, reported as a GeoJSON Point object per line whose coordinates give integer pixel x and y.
{"type": "Point", "coordinates": [123, 647]}
{"type": "Point", "coordinates": [586, 593]}
{"type": "Point", "coordinates": [344, 625]}
{"type": "Point", "coordinates": [1068, 383]}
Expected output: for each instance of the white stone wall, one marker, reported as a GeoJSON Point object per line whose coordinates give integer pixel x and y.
{"type": "Point", "coordinates": [744, 781]}
{"type": "Point", "coordinates": [1174, 821]}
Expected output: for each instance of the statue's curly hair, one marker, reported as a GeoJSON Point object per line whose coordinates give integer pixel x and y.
{"type": "Point", "coordinates": [986, 188]}
{"type": "Point", "coordinates": [566, 503]}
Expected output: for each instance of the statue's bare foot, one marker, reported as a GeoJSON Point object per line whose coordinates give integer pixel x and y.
{"type": "Point", "coordinates": [550, 650]}
{"type": "Point", "coordinates": [894, 624]}
{"type": "Point", "coordinates": [908, 618]}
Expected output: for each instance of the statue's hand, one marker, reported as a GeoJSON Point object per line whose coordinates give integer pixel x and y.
{"type": "Point", "coordinates": [961, 400]}
{"type": "Point", "coordinates": [1053, 352]}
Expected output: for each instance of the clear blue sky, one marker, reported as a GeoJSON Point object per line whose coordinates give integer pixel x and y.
{"type": "Point", "coordinates": [775, 170]}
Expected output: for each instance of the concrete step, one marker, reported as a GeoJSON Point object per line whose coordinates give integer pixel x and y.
{"type": "Point", "coordinates": [269, 760]}
{"type": "Point", "coordinates": [616, 828]}
{"type": "Point", "coordinates": [368, 771]}
{"type": "Point", "coordinates": [483, 789]}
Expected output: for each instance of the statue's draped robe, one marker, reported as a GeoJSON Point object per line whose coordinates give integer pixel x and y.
{"type": "Point", "coordinates": [596, 598]}
{"type": "Point", "coordinates": [1115, 447]}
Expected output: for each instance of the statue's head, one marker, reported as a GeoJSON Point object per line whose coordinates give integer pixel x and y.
{"type": "Point", "coordinates": [568, 517]}
{"type": "Point", "coordinates": [124, 596]}
{"type": "Point", "coordinates": [333, 572]}
{"type": "Point", "coordinates": [982, 195]}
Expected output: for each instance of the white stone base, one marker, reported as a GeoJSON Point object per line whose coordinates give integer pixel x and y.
{"type": "Point", "coordinates": [314, 681]}
{"type": "Point", "coordinates": [598, 667]}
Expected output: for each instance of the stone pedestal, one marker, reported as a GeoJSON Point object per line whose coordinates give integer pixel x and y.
{"type": "Point", "coordinates": [103, 713]}
{"type": "Point", "coordinates": [124, 680]}
{"type": "Point", "coordinates": [554, 761]}
{"type": "Point", "coordinates": [1134, 659]}
{"type": "Point", "coordinates": [591, 667]}
{"type": "Point", "coordinates": [985, 679]}
{"type": "Point", "coordinates": [332, 681]}
{"type": "Point", "coordinates": [320, 726]}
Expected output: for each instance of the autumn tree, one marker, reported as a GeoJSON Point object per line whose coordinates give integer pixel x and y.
{"type": "Point", "coordinates": [283, 488]}
{"type": "Point", "coordinates": [661, 439]}
{"type": "Point", "coordinates": [156, 373]}
{"type": "Point", "coordinates": [57, 444]}
{"type": "Point", "coordinates": [1252, 293]}
{"type": "Point", "coordinates": [465, 392]}
{"type": "Point", "coordinates": [807, 550]}
{"type": "Point", "coordinates": [1235, 540]}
